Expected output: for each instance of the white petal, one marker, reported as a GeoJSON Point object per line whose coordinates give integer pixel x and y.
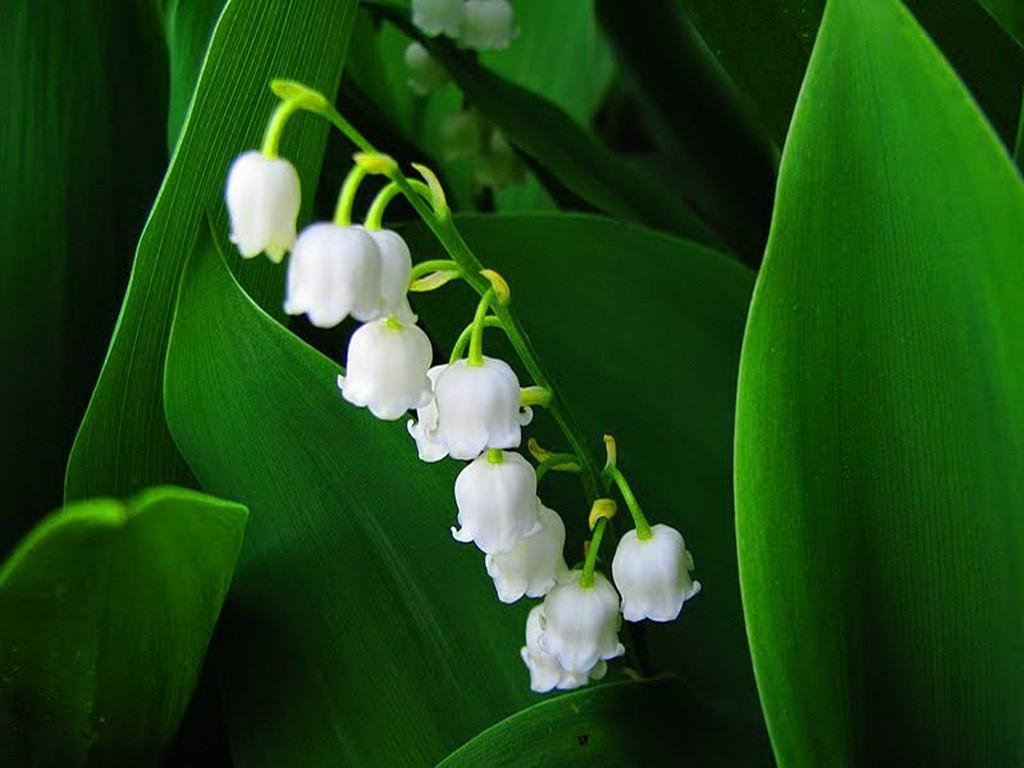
{"type": "Point", "coordinates": [425, 73]}
{"type": "Point", "coordinates": [436, 17]}
{"type": "Point", "coordinates": [263, 196]}
{"type": "Point", "coordinates": [653, 574]}
{"type": "Point", "coordinates": [386, 368]}
{"type": "Point", "coordinates": [497, 502]}
{"type": "Point", "coordinates": [478, 407]}
{"type": "Point", "coordinates": [487, 25]}
{"type": "Point", "coordinates": [581, 624]}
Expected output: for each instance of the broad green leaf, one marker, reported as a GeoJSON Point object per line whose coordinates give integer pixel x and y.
{"type": "Point", "coordinates": [641, 335]}
{"type": "Point", "coordinates": [764, 46]}
{"type": "Point", "coordinates": [1009, 14]}
{"type": "Point", "coordinates": [548, 136]}
{"type": "Point", "coordinates": [623, 724]}
{"type": "Point", "coordinates": [718, 150]}
{"type": "Point", "coordinates": [879, 484]}
{"type": "Point", "coordinates": [81, 152]}
{"type": "Point", "coordinates": [123, 443]}
{"type": "Point", "coordinates": [106, 609]}
{"type": "Point", "coordinates": [359, 632]}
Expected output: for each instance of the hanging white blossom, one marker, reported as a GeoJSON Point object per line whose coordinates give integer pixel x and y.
{"type": "Point", "coordinates": [497, 502]}
{"type": "Point", "coordinates": [487, 25]}
{"type": "Point", "coordinates": [263, 196]}
{"type": "Point", "coordinates": [653, 575]}
{"type": "Point", "coordinates": [535, 564]}
{"type": "Point", "coordinates": [581, 624]}
{"type": "Point", "coordinates": [437, 17]}
{"type": "Point", "coordinates": [334, 272]}
{"type": "Point", "coordinates": [424, 72]}
{"type": "Point", "coordinates": [386, 368]}
{"type": "Point", "coordinates": [546, 673]}
{"type": "Point", "coordinates": [478, 408]}
{"type": "Point", "coordinates": [395, 268]}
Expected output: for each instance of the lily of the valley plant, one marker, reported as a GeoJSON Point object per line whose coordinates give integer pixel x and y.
{"type": "Point", "coordinates": [473, 408]}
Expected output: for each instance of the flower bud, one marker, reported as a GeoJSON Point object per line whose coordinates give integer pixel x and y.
{"type": "Point", "coordinates": [535, 564]}
{"type": "Point", "coordinates": [334, 272]}
{"type": "Point", "coordinates": [497, 502]}
{"type": "Point", "coordinates": [424, 427]}
{"type": "Point", "coordinates": [425, 73]}
{"type": "Point", "coordinates": [437, 17]}
{"type": "Point", "coordinates": [487, 25]}
{"type": "Point", "coordinates": [478, 408]}
{"type": "Point", "coordinates": [386, 369]}
{"type": "Point", "coordinates": [653, 574]}
{"type": "Point", "coordinates": [581, 624]}
{"type": "Point", "coordinates": [395, 269]}
{"type": "Point", "coordinates": [545, 671]}
{"type": "Point", "coordinates": [263, 196]}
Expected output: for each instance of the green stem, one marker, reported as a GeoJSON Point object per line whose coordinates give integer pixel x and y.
{"type": "Point", "coordinates": [347, 196]}
{"type": "Point", "coordinates": [587, 578]}
{"type": "Point", "coordinates": [463, 341]}
{"type": "Point", "coordinates": [476, 332]}
{"type": "Point", "coordinates": [643, 528]}
{"type": "Point", "coordinates": [495, 456]}
{"type": "Point", "coordinates": [375, 215]}
{"type": "Point", "coordinates": [275, 126]}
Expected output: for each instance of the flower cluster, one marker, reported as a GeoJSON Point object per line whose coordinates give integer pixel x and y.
{"type": "Point", "coordinates": [482, 25]}
{"type": "Point", "coordinates": [471, 409]}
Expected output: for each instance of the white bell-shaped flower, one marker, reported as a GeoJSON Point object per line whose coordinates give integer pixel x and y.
{"type": "Point", "coordinates": [437, 17]}
{"type": "Point", "coordinates": [386, 368]}
{"type": "Point", "coordinates": [497, 502]}
{"type": "Point", "coordinates": [545, 672]}
{"type": "Point", "coordinates": [462, 135]}
{"type": "Point", "coordinates": [425, 73]}
{"type": "Point", "coordinates": [334, 272]}
{"type": "Point", "coordinates": [424, 427]}
{"type": "Point", "coordinates": [478, 408]}
{"type": "Point", "coordinates": [653, 575]}
{"type": "Point", "coordinates": [263, 196]}
{"type": "Point", "coordinates": [535, 564]}
{"type": "Point", "coordinates": [395, 269]}
{"type": "Point", "coordinates": [487, 25]}
{"type": "Point", "coordinates": [497, 165]}
{"type": "Point", "coordinates": [581, 624]}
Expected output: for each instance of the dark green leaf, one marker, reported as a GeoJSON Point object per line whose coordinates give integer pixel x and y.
{"type": "Point", "coordinates": [546, 134]}
{"type": "Point", "coordinates": [123, 443]}
{"type": "Point", "coordinates": [188, 25]}
{"type": "Point", "coordinates": [105, 613]}
{"type": "Point", "coordinates": [720, 153]}
{"type": "Point", "coordinates": [624, 724]}
{"type": "Point", "coordinates": [81, 152]}
{"type": "Point", "coordinates": [879, 458]}
{"type": "Point", "coordinates": [764, 46]}
{"type": "Point", "coordinates": [1009, 14]}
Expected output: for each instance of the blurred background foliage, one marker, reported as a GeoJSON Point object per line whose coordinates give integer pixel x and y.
{"type": "Point", "coordinates": [668, 117]}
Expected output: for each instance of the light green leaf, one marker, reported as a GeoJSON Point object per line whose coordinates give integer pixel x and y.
{"type": "Point", "coordinates": [641, 334]}
{"type": "Point", "coordinates": [81, 152]}
{"type": "Point", "coordinates": [555, 142]}
{"type": "Point", "coordinates": [389, 646]}
{"type": "Point", "coordinates": [123, 443]}
{"type": "Point", "coordinates": [879, 457]}
{"type": "Point", "coordinates": [623, 724]}
{"type": "Point", "coordinates": [105, 613]}
{"type": "Point", "coordinates": [765, 44]}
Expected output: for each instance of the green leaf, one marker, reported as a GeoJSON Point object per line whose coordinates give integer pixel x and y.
{"type": "Point", "coordinates": [386, 641]}
{"type": "Point", "coordinates": [1009, 14]}
{"type": "Point", "coordinates": [188, 25]}
{"type": "Point", "coordinates": [105, 613]}
{"type": "Point", "coordinates": [720, 153]}
{"type": "Point", "coordinates": [765, 44]}
{"type": "Point", "coordinates": [81, 152]}
{"type": "Point", "coordinates": [544, 133]}
{"type": "Point", "coordinates": [123, 443]}
{"type": "Point", "coordinates": [640, 333]}
{"type": "Point", "coordinates": [880, 500]}
{"type": "Point", "coordinates": [635, 723]}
